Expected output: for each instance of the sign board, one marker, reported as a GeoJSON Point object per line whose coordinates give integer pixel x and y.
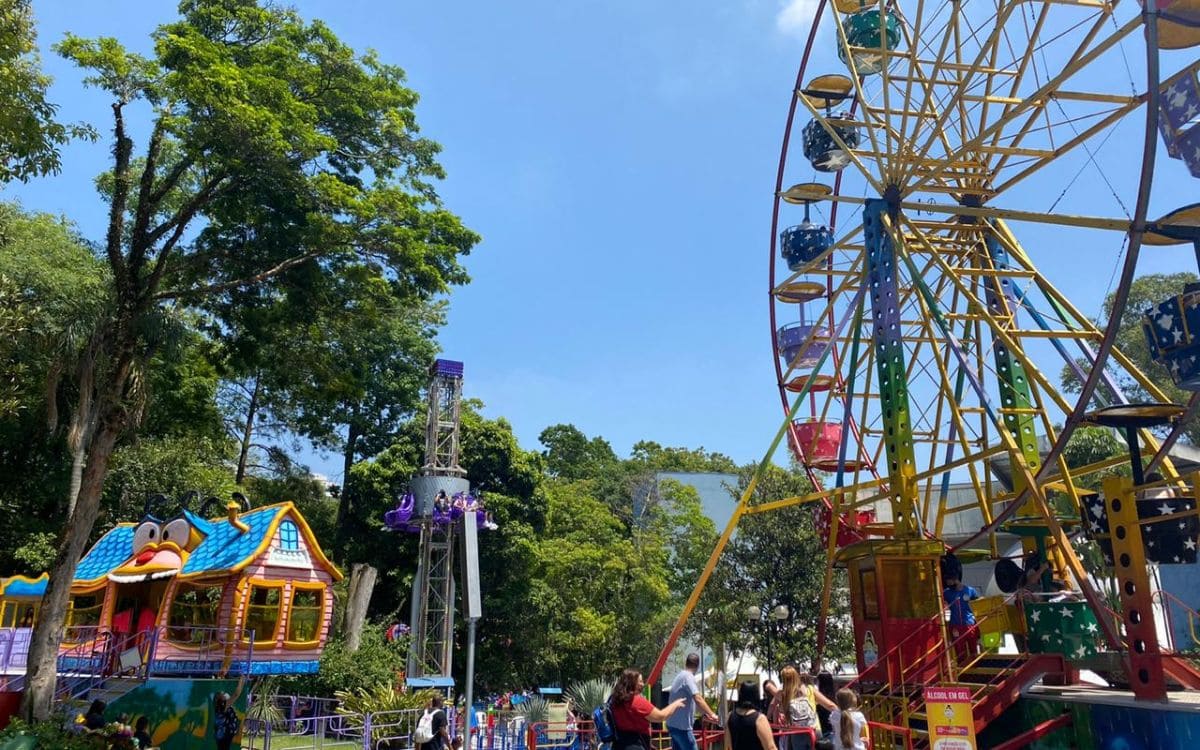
{"type": "Point", "coordinates": [951, 723]}
{"type": "Point", "coordinates": [472, 606]}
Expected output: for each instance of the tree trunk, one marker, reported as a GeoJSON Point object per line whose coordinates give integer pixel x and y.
{"type": "Point", "coordinates": [41, 672]}
{"type": "Point", "coordinates": [343, 512]}
{"type": "Point", "coordinates": [248, 432]}
{"type": "Point", "coordinates": [78, 459]}
{"type": "Point", "coordinates": [362, 584]}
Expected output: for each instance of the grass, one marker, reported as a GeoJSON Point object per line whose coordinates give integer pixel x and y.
{"type": "Point", "coordinates": [302, 742]}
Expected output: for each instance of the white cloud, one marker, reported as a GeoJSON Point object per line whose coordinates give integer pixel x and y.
{"type": "Point", "coordinates": [796, 16]}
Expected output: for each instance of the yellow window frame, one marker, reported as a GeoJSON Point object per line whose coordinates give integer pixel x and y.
{"type": "Point", "coordinates": [247, 592]}
{"type": "Point", "coordinates": [180, 588]}
{"type": "Point", "coordinates": [101, 593]}
{"type": "Point", "coordinates": [10, 614]}
{"type": "Point", "coordinates": [298, 586]}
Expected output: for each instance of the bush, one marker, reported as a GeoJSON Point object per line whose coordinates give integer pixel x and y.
{"type": "Point", "coordinates": [51, 735]}
{"type": "Point", "coordinates": [383, 698]}
{"type": "Point", "coordinates": [376, 662]}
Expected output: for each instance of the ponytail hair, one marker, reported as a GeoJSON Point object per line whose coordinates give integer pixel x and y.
{"type": "Point", "coordinates": [846, 700]}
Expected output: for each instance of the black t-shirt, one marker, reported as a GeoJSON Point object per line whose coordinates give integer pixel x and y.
{"type": "Point", "coordinates": [439, 725]}
{"type": "Point", "coordinates": [143, 739]}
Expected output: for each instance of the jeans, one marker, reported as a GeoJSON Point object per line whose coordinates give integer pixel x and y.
{"type": "Point", "coordinates": [682, 739]}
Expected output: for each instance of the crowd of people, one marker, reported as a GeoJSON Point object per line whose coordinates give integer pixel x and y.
{"type": "Point", "coordinates": [786, 718]}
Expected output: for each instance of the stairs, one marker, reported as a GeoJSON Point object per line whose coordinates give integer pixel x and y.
{"type": "Point", "coordinates": [113, 688]}
{"type": "Point", "coordinates": [1183, 670]}
{"type": "Point", "coordinates": [108, 690]}
{"type": "Point", "coordinates": [1000, 687]}
{"type": "Point", "coordinates": [996, 683]}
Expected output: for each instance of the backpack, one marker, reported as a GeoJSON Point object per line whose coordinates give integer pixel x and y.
{"type": "Point", "coordinates": [800, 712]}
{"type": "Point", "coordinates": [424, 732]}
{"type": "Point", "coordinates": [606, 727]}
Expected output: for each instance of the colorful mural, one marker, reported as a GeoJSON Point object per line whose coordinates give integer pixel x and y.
{"type": "Point", "coordinates": [1101, 726]}
{"type": "Point", "coordinates": [180, 712]}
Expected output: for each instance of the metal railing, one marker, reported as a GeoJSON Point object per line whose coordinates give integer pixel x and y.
{"type": "Point", "coordinates": [1169, 602]}
{"type": "Point", "coordinates": [319, 723]}
{"type": "Point", "coordinates": [901, 691]}
{"type": "Point", "coordinates": [888, 736]}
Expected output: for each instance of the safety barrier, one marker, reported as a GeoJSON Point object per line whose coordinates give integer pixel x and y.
{"type": "Point", "coordinates": [317, 724]}
{"type": "Point", "coordinates": [888, 736]}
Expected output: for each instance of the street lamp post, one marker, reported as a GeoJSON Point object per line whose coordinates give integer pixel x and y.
{"type": "Point", "coordinates": [755, 615]}
{"type": "Point", "coordinates": [770, 619]}
{"type": "Point", "coordinates": [779, 615]}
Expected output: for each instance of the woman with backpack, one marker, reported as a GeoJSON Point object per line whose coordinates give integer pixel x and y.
{"type": "Point", "coordinates": [747, 728]}
{"type": "Point", "coordinates": [795, 707]}
{"type": "Point", "coordinates": [632, 713]}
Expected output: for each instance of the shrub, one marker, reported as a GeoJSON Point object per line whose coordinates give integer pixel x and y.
{"type": "Point", "coordinates": [376, 662]}
{"type": "Point", "coordinates": [534, 710]}
{"type": "Point", "coordinates": [586, 696]}
{"type": "Point", "coordinates": [383, 698]}
{"type": "Point", "coordinates": [50, 734]}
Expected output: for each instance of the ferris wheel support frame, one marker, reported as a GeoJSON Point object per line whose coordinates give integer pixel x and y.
{"type": "Point", "coordinates": [1137, 229]}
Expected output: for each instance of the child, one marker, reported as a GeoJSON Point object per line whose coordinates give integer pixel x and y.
{"type": "Point", "coordinates": [849, 724]}
{"type": "Point", "coordinates": [141, 732]}
{"type": "Point", "coordinates": [963, 632]}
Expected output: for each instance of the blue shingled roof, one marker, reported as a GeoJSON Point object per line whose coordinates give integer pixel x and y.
{"type": "Point", "coordinates": [225, 547]}
{"type": "Point", "coordinates": [114, 548]}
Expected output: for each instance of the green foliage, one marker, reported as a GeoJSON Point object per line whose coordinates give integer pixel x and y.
{"type": "Point", "coordinates": [585, 696]}
{"type": "Point", "coordinates": [376, 662]}
{"type": "Point", "coordinates": [279, 166]}
{"type": "Point", "coordinates": [30, 137]}
{"type": "Point", "coordinates": [381, 698]}
{"type": "Point", "coordinates": [17, 310]}
{"type": "Point", "coordinates": [650, 455]}
{"type": "Point", "coordinates": [42, 260]}
{"type": "Point", "coordinates": [52, 733]}
{"type": "Point", "coordinates": [35, 552]}
{"type": "Point", "coordinates": [1090, 445]}
{"type": "Point", "coordinates": [170, 465]}
{"type": "Point", "coordinates": [534, 710]}
{"type": "Point", "coordinates": [264, 708]}
{"type": "Point", "coordinates": [776, 558]}
{"type": "Point", "coordinates": [570, 455]}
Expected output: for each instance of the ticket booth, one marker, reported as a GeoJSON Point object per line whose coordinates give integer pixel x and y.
{"type": "Point", "coordinates": [896, 600]}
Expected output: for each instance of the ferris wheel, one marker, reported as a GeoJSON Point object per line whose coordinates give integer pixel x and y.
{"type": "Point", "coordinates": [918, 345]}
{"type": "Point", "coordinates": [938, 156]}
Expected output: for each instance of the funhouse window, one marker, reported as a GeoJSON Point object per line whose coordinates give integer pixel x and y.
{"type": "Point", "coordinates": [305, 615]}
{"type": "Point", "coordinates": [262, 613]}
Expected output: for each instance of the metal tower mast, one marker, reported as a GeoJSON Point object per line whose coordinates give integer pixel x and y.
{"type": "Point", "coordinates": [441, 477]}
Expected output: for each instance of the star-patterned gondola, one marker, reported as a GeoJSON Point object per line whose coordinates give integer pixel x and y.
{"type": "Point", "coordinates": [1168, 542]}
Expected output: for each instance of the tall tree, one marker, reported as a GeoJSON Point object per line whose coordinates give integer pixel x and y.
{"type": "Point", "coordinates": [274, 151]}
{"type": "Point", "coordinates": [777, 558]}
{"type": "Point", "coordinates": [570, 454]}
{"type": "Point", "coordinates": [46, 262]}
{"type": "Point", "coordinates": [30, 137]}
{"type": "Point", "coordinates": [17, 309]}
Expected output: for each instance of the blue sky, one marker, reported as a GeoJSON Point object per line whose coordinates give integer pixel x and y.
{"type": "Point", "coordinates": [618, 159]}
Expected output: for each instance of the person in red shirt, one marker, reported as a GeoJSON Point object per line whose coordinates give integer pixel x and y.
{"type": "Point", "coordinates": [632, 713]}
